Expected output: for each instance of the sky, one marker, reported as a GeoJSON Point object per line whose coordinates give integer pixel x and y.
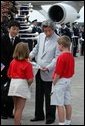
{"type": "Point", "coordinates": [37, 15]}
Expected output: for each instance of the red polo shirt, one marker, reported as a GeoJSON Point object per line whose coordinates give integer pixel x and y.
{"type": "Point", "coordinates": [65, 65]}
{"type": "Point", "coordinates": [20, 69]}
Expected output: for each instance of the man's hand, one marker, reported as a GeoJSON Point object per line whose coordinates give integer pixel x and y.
{"type": "Point", "coordinates": [44, 69]}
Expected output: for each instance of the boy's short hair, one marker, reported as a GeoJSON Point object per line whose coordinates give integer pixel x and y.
{"type": "Point", "coordinates": [21, 51]}
{"type": "Point", "coordinates": [65, 41]}
{"type": "Point", "coordinates": [13, 23]}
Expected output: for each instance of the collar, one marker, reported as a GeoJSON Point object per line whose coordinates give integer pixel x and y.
{"type": "Point", "coordinates": [11, 36]}
{"type": "Point", "coordinates": [48, 38]}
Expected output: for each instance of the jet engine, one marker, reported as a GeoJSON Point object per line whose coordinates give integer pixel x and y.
{"type": "Point", "coordinates": [62, 13]}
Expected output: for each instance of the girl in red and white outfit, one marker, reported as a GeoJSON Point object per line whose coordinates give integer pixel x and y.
{"type": "Point", "coordinates": [21, 73]}
{"type": "Point", "coordinates": [64, 70]}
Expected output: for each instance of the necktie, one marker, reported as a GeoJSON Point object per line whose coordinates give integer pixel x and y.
{"type": "Point", "coordinates": [12, 41]}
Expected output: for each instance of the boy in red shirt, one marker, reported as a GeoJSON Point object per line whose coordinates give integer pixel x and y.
{"type": "Point", "coordinates": [21, 73]}
{"type": "Point", "coordinates": [62, 75]}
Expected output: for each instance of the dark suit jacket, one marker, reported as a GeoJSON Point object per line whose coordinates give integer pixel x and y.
{"type": "Point", "coordinates": [76, 31]}
{"type": "Point", "coordinates": [62, 31]}
{"type": "Point", "coordinates": [36, 29]}
{"type": "Point", "coordinates": [67, 32]}
{"type": "Point", "coordinates": [7, 50]}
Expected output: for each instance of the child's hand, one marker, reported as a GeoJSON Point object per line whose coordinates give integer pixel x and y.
{"type": "Point", "coordinates": [54, 82]}
{"type": "Point", "coordinates": [29, 59]}
{"type": "Point", "coordinates": [30, 82]}
{"type": "Point", "coordinates": [56, 78]}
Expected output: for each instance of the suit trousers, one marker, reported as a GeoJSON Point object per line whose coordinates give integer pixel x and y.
{"type": "Point", "coordinates": [43, 90]}
{"type": "Point", "coordinates": [82, 48]}
{"type": "Point", "coordinates": [7, 104]}
{"type": "Point", "coordinates": [75, 46]}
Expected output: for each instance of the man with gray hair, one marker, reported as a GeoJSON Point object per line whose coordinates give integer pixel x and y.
{"type": "Point", "coordinates": [45, 52]}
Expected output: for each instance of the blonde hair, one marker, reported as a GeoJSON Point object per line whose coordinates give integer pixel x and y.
{"type": "Point", "coordinates": [65, 41]}
{"type": "Point", "coordinates": [21, 51]}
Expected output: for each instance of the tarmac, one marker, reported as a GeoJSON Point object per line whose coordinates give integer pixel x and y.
{"type": "Point", "coordinates": [77, 90]}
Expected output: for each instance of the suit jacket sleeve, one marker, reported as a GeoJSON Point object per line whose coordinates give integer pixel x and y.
{"type": "Point", "coordinates": [34, 52]}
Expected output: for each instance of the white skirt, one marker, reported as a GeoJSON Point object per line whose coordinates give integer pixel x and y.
{"type": "Point", "coordinates": [20, 88]}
